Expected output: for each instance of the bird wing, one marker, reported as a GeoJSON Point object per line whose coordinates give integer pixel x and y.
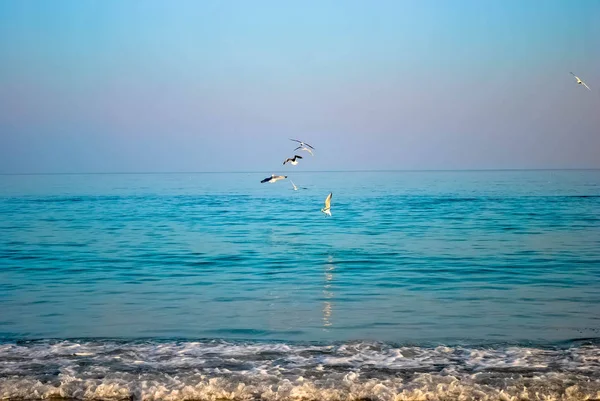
{"type": "Point", "coordinates": [572, 74]}
{"type": "Point", "coordinates": [295, 140]}
{"type": "Point", "coordinates": [576, 77]}
{"type": "Point", "coordinates": [297, 156]}
{"type": "Point", "coordinates": [584, 84]}
{"type": "Point", "coordinates": [309, 151]}
{"type": "Point", "coordinates": [299, 147]}
{"type": "Point", "coordinates": [308, 145]}
{"type": "Point", "coordinates": [328, 201]}
{"type": "Point", "coordinates": [265, 180]}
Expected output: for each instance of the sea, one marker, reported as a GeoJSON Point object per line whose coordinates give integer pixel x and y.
{"type": "Point", "coordinates": [422, 285]}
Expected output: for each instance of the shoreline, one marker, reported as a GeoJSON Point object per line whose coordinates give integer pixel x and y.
{"type": "Point", "coordinates": [219, 369]}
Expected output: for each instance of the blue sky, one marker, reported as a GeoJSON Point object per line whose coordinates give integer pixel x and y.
{"type": "Point", "coordinates": [143, 86]}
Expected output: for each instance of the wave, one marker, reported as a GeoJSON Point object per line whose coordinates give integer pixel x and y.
{"type": "Point", "coordinates": [219, 370]}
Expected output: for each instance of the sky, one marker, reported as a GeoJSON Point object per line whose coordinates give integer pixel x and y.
{"type": "Point", "coordinates": [189, 86]}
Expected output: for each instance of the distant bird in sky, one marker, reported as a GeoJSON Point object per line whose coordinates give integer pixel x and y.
{"type": "Point", "coordinates": [273, 178]}
{"type": "Point", "coordinates": [327, 208]}
{"type": "Point", "coordinates": [580, 82]}
{"type": "Point", "coordinates": [292, 160]}
{"type": "Point", "coordinates": [305, 148]}
{"type": "Point", "coordinates": [301, 143]}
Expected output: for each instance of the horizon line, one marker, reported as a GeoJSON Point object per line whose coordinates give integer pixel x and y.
{"type": "Point", "coordinates": [308, 171]}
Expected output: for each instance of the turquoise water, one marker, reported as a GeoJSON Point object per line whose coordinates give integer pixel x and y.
{"type": "Point", "coordinates": [445, 274]}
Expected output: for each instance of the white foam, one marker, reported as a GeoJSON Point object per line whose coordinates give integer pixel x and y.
{"type": "Point", "coordinates": [277, 372]}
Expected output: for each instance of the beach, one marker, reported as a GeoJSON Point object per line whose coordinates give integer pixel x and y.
{"type": "Point", "coordinates": [470, 285]}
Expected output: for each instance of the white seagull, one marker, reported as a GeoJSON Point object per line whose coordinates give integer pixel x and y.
{"type": "Point", "coordinates": [295, 187]}
{"type": "Point", "coordinates": [327, 208]}
{"type": "Point", "coordinates": [273, 178]}
{"type": "Point", "coordinates": [305, 148]}
{"type": "Point", "coordinates": [301, 143]}
{"type": "Point", "coordinates": [292, 160]}
{"type": "Point", "coordinates": [580, 82]}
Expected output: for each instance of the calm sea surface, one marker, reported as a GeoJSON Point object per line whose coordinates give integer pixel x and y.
{"type": "Point", "coordinates": [208, 286]}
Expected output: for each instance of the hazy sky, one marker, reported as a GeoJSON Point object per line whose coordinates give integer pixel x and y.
{"type": "Point", "coordinates": [142, 86]}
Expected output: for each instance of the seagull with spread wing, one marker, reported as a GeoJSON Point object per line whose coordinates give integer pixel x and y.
{"type": "Point", "coordinates": [327, 208]}
{"type": "Point", "coordinates": [305, 148]}
{"type": "Point", "coordinates": [301, 143]}
{"type": "Point", "coordinates": [274, 178]}
{"type": "Point", "coordinates": [296, 187]}
{"type": "Point", "coordinates": [580, 82]}
{"type": "Point", "coordinates": [292, 160]}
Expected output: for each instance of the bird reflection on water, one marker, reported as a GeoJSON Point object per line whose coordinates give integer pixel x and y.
{"type": "Point", "coordinates": [327, 293]}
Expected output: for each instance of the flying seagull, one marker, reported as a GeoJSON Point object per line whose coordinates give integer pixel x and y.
{"type": "Point", "coordinates": [305, 148]}
{"type": "Point", "coordinates": [292, 160]}
{"type": "Point", "coordinates": [301, 143]}
{"type": "Point", "coordinates": [273, 178]}
{"type": "Point", "coordinates": [580, 82]}
{"type": "Point", "coordinates": [327, 208]}
{"type": "Point", "coordinates": [295, 187]}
